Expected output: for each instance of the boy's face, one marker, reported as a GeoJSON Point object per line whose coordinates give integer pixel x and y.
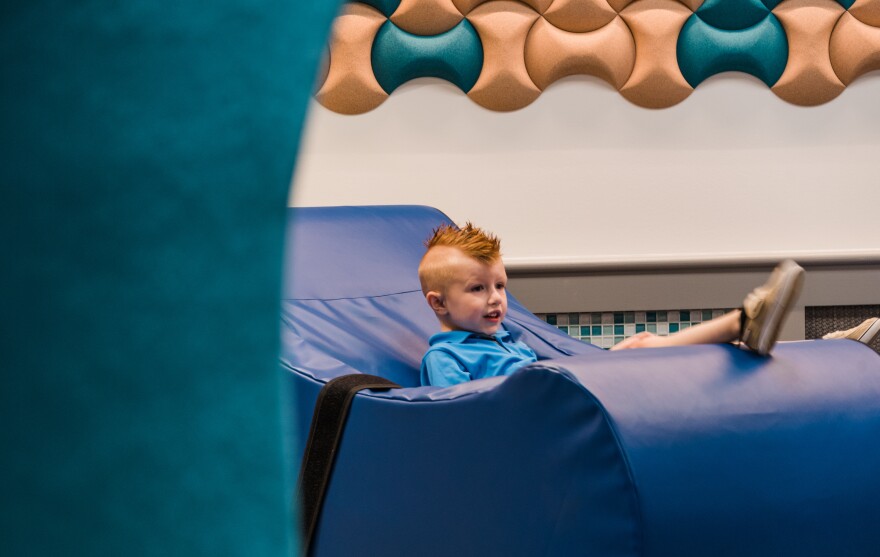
{"type": "Point", "coordinates": [475, 297]}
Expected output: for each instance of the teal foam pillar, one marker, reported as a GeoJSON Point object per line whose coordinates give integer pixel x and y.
{"type": "Point", "coordinates": [147, 150]}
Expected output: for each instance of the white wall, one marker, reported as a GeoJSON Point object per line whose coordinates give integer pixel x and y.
{"type": "Point", "coordinates": [583, 176]}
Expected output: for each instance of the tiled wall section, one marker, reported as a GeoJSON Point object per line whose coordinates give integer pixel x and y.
{"type": "Point", "coordinates": [608, 328]}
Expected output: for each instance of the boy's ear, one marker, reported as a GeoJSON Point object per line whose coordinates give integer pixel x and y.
{"type": "Point", "coordinates": [436, 301]}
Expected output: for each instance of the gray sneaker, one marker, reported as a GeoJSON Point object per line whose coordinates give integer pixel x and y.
{"type": "Point", "coordinates": [865, 333]}
{"type": "Point", "coordinates": [765, 308]}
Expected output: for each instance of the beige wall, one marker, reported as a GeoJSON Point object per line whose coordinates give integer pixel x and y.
{"type": "Point", "coordinates": [581, 175]}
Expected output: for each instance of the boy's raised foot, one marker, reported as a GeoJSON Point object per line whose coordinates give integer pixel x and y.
{"type": "Point", "coordinates": [765, 308]}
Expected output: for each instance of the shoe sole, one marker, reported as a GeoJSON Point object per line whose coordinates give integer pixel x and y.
{"type": "Point", "coordinates": [792, 282]}
{"type": "Point", "coordinates": [868, 336]}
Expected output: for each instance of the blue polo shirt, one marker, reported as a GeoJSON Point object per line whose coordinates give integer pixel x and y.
{"type": "Point", "coordinates": [459, 356]}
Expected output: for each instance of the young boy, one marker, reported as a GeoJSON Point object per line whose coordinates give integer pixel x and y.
{"type": "Point", "coordinates": [464, 282]}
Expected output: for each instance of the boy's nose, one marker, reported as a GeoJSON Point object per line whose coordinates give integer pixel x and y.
{"type": "Point", "coordinates": [495, 297]}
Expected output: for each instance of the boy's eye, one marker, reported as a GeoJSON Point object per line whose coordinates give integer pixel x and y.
{"type": "Point", "coordinates": [500, 286]}
{"type": "Point", "coordinates": [477, 288]}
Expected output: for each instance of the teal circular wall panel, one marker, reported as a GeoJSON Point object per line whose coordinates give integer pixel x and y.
{"type": "Point", "coordinates": [387, 7]}
{"type": "Point", "coordinates": [399, 56]}
{"type": "Point", "coordinates": [733, 15]}
{"type": "Point", "coordinates": [704, 50]}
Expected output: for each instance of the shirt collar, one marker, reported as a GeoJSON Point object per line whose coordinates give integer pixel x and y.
{"type": "Point", "coordinates": [460, 337]}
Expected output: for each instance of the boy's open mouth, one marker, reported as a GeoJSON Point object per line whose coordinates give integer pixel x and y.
{"type": "Point", "coordinates": [493, 315]}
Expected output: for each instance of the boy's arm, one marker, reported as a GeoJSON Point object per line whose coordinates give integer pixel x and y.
{"type": "Point", "coordinates": [441, 369]}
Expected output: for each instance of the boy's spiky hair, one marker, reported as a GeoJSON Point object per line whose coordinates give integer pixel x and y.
{"type": "Point", "coordinates": [473, 241]}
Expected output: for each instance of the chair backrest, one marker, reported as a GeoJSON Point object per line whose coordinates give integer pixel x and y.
{"type": "Point", "coordinates": [351, 299]}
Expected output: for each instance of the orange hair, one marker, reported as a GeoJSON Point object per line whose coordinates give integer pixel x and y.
{"type": "Point", "coordinates": [472, 241]}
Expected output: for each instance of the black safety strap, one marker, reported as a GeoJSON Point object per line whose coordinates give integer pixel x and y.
{"type": "Point", "coordinates": [328, 422]}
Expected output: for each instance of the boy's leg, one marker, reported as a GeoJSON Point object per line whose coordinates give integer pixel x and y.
{"type": "Point", "coordinates": [757, 325]}
{"type": "Point", "coordinates": [719, 330]}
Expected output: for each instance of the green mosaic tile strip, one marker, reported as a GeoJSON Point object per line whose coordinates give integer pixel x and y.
{"type": "Point", "coordinates": [606, 329]}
